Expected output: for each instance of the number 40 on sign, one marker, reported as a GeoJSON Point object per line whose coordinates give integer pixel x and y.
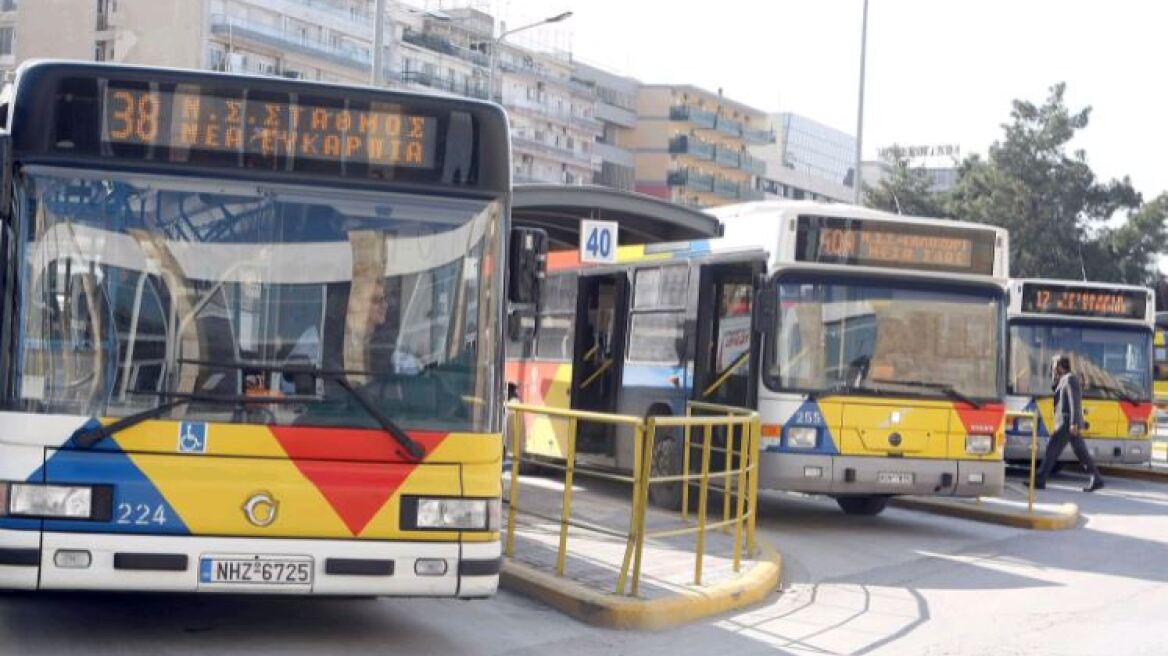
{"type": "Point", "coordinates": [598, 241]}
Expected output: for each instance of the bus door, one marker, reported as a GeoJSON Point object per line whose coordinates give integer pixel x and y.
{"type": "Point", "coordinates": [726, 352]}
{"type": "Point", "coordinates": [598, 355]}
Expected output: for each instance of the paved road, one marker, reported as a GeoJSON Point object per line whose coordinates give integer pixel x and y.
{"type": "Point", "coordinates": [901, 583]}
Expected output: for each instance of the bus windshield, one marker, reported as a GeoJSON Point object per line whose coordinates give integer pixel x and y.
{"type": "Point", "coordinates": [1111, 361]}
{"type": "Point", "coordinates": [865, 338]}
{"type": "Point", "coordinates": [138, 290]}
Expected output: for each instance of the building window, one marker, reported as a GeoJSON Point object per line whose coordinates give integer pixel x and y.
{"type": "Point", "coordinates": [7, 35]}
{"type": "Point", "coordinates": [7, 5]}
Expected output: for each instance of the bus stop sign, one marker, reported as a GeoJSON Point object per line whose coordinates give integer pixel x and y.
{"type": "Point", "coordinates": [598, 241]}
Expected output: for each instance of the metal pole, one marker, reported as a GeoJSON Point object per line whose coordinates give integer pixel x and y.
{"type": "Point", "coordinates": [495, 43]}
{"type": "Point", "coordinates": [378, 40]}
{"type": "Point", "coordinates": [858, 178]}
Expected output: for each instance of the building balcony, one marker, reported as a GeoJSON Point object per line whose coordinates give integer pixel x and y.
{"type": "Point", "coordinates": [560, 153]}
{"type": "Point", "coordinates": [621, 116]}
{"type": "Point", "coordinates": [323, 6]}
{"type": "Point", "coordinates": [727, 188]}
{"type": "Point", "coordinates": [687, 145]}
{"type": "Point", "coordinates": [756, 137]}
{"type": "Point", "coordinates": [727, 157]}
{"type": "Point", "coordinates": [446, 47]}
{"type": "Point", "coordinates": [699, 117]}
{"type": "Point", "coordinates": [466, 88]}
{"type": "Point", "coordinates": [728, 126]}
{"type": "Point", "coordinates": [233, 28]}
{"type": "Point", "coordinates": [613, 154]}
{"type": "Point", "coordinates": [690, 179]}
{"type": "Point", "coordinates": [575, 87]}
{"type": "Point", "coordinates": [753, 165]}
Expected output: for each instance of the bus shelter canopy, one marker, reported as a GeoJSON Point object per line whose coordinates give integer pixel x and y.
{"type": "Point", "coordinates": [643, 219]}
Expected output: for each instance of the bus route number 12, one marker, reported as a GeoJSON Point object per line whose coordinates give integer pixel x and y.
{"type": "Point", "coordinates": [598, 241]}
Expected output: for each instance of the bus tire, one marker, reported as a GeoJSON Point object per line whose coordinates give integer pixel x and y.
{"type": "Point", "coordinates": [868, 504]}
{"type": "Point", "coordinates": [666, 461]}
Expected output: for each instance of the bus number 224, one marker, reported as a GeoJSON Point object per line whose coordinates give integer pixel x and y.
{"type": "Point", "coordinates": [140, 514]}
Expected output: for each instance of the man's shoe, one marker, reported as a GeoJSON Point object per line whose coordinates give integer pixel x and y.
{"type": "Point", "coordinates": [1095, 484]}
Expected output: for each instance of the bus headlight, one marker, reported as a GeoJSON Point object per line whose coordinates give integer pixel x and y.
{"type": "Point", "coordinates": [451, 514]}
{"type": "Point", "coordinates": [1137, 429]}
{"type": "Point", "coordinates": [802, 437]}
{"type": "Point", "coordinates": [63, 501]}
{"type": "Point", "coordinates": [979, 444]}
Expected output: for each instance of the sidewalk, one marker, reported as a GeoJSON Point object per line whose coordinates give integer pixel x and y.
{"type": "Point", "coordinates": [587, 591]}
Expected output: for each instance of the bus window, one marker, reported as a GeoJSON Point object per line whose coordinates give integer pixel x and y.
{"type": "Point", "coordinates": [557, 318]}
{"type": "Point", "coordinates": [658, 320]}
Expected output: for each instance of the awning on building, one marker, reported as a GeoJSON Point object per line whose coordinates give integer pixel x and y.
{"type": "Point", "coordinates": [643, 219]}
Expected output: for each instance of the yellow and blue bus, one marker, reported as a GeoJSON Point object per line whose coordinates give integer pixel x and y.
{"type": "Point", "coordinates": [249, 335]}
{"type": "Point", "coordinates": [1160, 389]}
{"type": "Point", "coordinates": [871, 344]}
{"type": "Point", "coordinates": [1106, 330]}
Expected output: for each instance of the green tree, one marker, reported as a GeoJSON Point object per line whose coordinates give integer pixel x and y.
{"type": "Point", "coordinates": [1061, 218]}
{"type": "Point", "coordinates": [904, 189]}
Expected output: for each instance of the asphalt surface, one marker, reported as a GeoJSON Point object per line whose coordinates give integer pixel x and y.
{"type": "Point", "coordinates": [901, 583]}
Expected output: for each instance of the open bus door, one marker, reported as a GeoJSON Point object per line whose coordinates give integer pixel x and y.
{"type": "Point", "coordinates": [725, 362]}
{"type": "Point", "coordinates": [727, 352]}
{"type": "Point", "coordinates": [602, 303]}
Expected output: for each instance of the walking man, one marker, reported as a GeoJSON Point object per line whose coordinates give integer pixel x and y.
{"type": "Point", "coordinates": [1068, 425]}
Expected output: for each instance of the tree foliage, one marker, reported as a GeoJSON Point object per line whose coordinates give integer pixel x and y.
{"type": "Point", "coordinates": [1064, 221]}
{"type": "Point", "coordinates": [904, 189]}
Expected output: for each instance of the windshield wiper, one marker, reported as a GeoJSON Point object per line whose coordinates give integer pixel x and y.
{"type": "Point", "coordinates": [87, 437]}
{"type": "Point", "coordinates": [338, 376]}
{"type": "Point", "coordinates": [946, 388]}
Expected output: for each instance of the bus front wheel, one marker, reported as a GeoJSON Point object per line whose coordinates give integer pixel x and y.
{"type": "Point", "coordinates": [862, 505]}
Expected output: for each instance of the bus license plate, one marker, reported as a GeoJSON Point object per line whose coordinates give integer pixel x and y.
{"type": "Point", "coordinates": [256, 571]}
{"type": "Point", "coordinates": [894, 478]}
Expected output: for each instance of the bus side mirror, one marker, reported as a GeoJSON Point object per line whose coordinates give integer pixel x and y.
{"type": "Point", "coordinates": [6, 175]}
{"type": "Point", "coordinates": [765, 308]}
{"type": "Point", "coordinates": [528, 258]}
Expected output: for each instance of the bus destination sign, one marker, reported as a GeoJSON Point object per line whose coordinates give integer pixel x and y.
{"type": "Point", "coordinates": [279, 128]}
{"type": "Point", "coordinates": [892, 244]}
{"type": "Point", "coordinates": [1042, 298]}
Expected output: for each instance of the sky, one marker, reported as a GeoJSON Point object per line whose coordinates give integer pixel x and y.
{"type": "Point", "coordinates": [938, 71]}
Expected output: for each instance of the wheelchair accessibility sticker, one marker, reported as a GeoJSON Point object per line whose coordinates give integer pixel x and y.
{"type": "Point", "coordinates": [192, 437]}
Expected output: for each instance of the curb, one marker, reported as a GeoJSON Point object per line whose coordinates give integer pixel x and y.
{"type": "Point", "coordinates": [1065, 517]}
{"type": "Point", "coordinates": [621, 612]}
{"type": "Point", "coordinates": [1154, 475]}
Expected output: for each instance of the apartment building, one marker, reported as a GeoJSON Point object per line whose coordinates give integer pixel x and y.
{"type": "Point", "coordinates": [616, 109]}
{"type": "Point", "coordinates": [691, 146]}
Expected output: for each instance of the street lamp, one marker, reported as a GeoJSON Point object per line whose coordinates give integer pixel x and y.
{"type": "Point", "coordinates": [504, 33]}
{"type": "Point", "coordinates": [858, 178]}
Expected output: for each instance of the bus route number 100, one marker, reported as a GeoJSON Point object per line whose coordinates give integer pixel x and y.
{"type": "Point", "coordinates": [598, 241]}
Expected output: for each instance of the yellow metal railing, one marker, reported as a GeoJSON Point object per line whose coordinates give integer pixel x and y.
{"type": "Point", "coordinates": [739, 479]}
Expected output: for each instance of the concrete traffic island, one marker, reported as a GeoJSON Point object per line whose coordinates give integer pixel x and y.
{"type": "Point", "coordinates": [596, 548]}
{"type": "Point", "coordinates": [997, 510]}
{"type": "Point", "coordinates": [1156, 473]}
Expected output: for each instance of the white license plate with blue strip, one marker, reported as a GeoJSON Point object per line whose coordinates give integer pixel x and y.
{"type": "Point", "coordinates": [251, 571]}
